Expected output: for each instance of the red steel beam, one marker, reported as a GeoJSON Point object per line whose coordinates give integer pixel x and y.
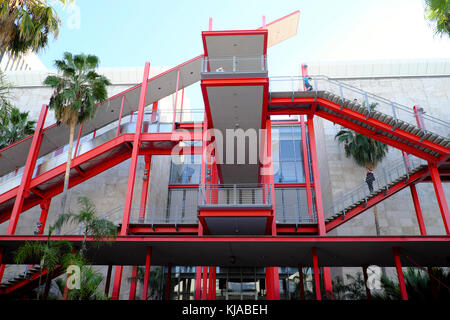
{"type": "Point", "coordinates": [28, 172]}
{"type": "Point", "coordinates": [147, 273]}
{"type": "Point", "coordinates": [316, 274]}
{"type": "Point", "coordinates": [133, 283]}
{"type": "Point", "coordinates": [418, 210]}
{"type": "Point", "coordinates": [401, 279]}
{"type": "Point", "coordinates": [306, 167]}
{"type": "Point", "coordinates": [132, 175]}
{"type": "Point", "coordinates": [135, 152]}
{"type": "Point", "coordinates": [316, 178]}
{"type": "Point", "coordinates": [145, 184]}
{"type": "Point", "coordinates": [440, 196]}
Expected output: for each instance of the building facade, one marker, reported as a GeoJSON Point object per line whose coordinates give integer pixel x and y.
{"type": "Point", "coordinates": [221, 222]}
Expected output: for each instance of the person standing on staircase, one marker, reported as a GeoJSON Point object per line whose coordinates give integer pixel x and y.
{"type": "Point", "coordinates": [370, 178]}
{"type": "Point", "coordinates": [308, 85]}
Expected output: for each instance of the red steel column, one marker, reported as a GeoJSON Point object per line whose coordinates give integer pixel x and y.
{"type": "Point", "coordinates": [145, 183]}
{"type": "Point", "coordinates": [120, 116]}
{"type": "Point", "coordinates": [176, 101]}
{"type": "Point", "coordinates": [27, 172]}
{"type": "Point", "coordinates": [198, 283]}
{"type": "Point", "coordinates": [316, 177]}
{"type": "Point", "coordinates": [328, 284]}
{"type": "Point", "coordinates": [147, 273]}
{"type": "Point", "coordinates": [301, 284]}
{"type": "Point", "coordinates": [198, 276]}
{"type": "Point", "coordinates": [440, 195]}
{"type": "Point", "coordinates": [169, 279]}
{"type": "Point", "coordinates": [401, 279]}
{"type": "Point", "coordinates": [117, 283]}
{"type": "Point", "coordinates": [418, 210]}
{"type": "Point", "coordinates": [272, 276]}
{"type": "Point", "coordinates": [306, 166]}
{"type": "Point", "coordinates": [205, 283]}
{"type": "Point", "coordinates": [135, 152]}
{"type": "Point", "coordinates": [133, 284]}
{"type": "Point", "coordinates": [26, 178]}
{"type": "Point", "coordinates": [45, 206]}
{"type": "Point", "coordinates": [316, 274]}
{"type": "Point", "coordinates": [210, 280]}
{"type": "Point", "coordinates": [132, 175]}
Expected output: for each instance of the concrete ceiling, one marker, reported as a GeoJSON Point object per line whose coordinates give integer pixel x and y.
{"type": "Point", "coordinates": [236, 107]}
{"type": "Point", "coordinates": [261, 251]}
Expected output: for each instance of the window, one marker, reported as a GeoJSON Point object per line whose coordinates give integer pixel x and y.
{"type": "Point", "coordinates": [288, 155]}
{"type": "Point", "coordinates": [186, 171]}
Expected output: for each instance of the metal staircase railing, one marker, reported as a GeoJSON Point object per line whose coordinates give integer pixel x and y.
{"type": "Point", "coordinates": [153, 123]}
{"type": "Point", "coordinates": [385, 178]}
{"type": "Point", "coordinates": [394, 113]}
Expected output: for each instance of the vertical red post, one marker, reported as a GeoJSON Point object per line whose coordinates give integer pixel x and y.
{"type": "Point", "coordinates": [269, 284]}
{"type": "Point", "coordinates": [213, 285]}
{"type": "Point", "coordinates": [418, 210]}
{"type": "Point", "coordinates": [154, 110]}
{"type": "Point", "coordinates": [144, 192]}
{"type": "Point", "coordinates": [176, 101]}
{"type": "Point", "coordinates": [301, 284]}
{"type": "Point", "coordinates": [316, 274]}
{"type": "Point", "coordinates": [45, 206]}
{"type": "Point", "coordinates": [401, 279]}
{"type": "Point", "coordinates": [306, 167]}
{"type": "Point", "coordinates": [210, 24]}
{"type": "Point", "coordinates": [169, 280]}
{"type": "Point", "coordinates": [117, 283]}
{"type": "Point", "coordinates": [133, 283]}
{"type": "Point", "coordinates": [316, 177]}
{"type": "Point", "coordinates": [264, 26]}
{"type": "Point", "coordinates": [366, 278]}
{"type": "Point", "coordinates": [120, 116]}
{"type": "Point", "coordinates": [146, 273]}
{"type": "Point", "coordinates": [78, 141]}
{"type": "Point", "coordinates": [328, 284]}
{"type": "Point", "coordinates": [132, 174]}
{"type": "Point", "coordinates": [108, 279]}
{"type": "Point", "coordinates": [27, 172]}
{"type": "Point", "coordinates": [440, 195]}
{"type": "Point", "coordinates": [210, 280]}
{"type": "Point", "coordinates": [198, 283]}
{"type": "Point", "coordinates": [205, 283]}
{"type": "Point", "coordinates": [135, 152]}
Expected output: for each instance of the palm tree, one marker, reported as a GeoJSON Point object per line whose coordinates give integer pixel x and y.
{"type": "Point", "coordinates": [14, 126]}
{"type": "Point", "coordinates": [78, 88]}
{"type": "Point", "coordinates": [27, 24]}
{"type": "Point", "coordinates": [4, 92]}
{"type": "Point", "coordinates": [99, 229]}
{"type": "Point", "coordinates": [437, 12]}
{"type": "Point", "coordinates": [89, 282]}
{"type": "Point", "coordinates": [154, 280]}
{"type": "Point", "coordinates": [366, 152]}
{"type": "Point", "coordinates": [418, 286]}
{"type": "Point", "coordinates": [50, 254]}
